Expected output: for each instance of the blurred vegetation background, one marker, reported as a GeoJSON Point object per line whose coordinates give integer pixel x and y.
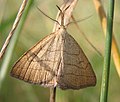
{"type": "Point", "coordinates": [38, 26]}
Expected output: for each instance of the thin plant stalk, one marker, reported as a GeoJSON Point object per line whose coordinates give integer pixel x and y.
{"type": "Point", "coordinates": [115, 51]}
{"type": "Point", "coordinates": [18, 18]}
{"type": "Point", "coordinates": [8, 54]}
{"type": "Point", "coordinates": [52, 94]}
{"type": "Point", "coordinates": [108, 43]}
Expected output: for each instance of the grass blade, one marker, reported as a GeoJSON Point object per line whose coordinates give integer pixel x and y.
{"type": "Point", "coordinates": [108, 43]}
{"type": "Point", "coordinates": [8, 54]}
{"type": "Point", "coordinates": [115, 51]}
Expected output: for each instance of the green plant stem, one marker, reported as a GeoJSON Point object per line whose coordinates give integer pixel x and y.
{"type": "Point", "coordinates": [108, 42]}
{"type": "Point", "coordinates": [9, 52]}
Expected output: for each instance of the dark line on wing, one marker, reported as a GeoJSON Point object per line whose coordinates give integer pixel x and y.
{"type": "Point", "coordinates": [36, 54]}
{"type": "Point", "coordinates": [78, 75]}
{"type": "Point", "coordinates": [75, 66]}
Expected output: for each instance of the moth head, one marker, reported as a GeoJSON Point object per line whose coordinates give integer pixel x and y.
{"type": "Point", "coordinates": [62, 12]}
{"type": "Point", "coordinates": [62, 20]}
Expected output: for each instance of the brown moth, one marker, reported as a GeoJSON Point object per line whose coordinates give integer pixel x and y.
{"type": "Point", "coordinates": [56, 61]}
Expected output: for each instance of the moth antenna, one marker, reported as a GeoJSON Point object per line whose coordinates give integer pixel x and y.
{"type": "Point", "coordinates": [66, 8]}
{"type": "Point", "coordinates": [77, 21]}
{"type": "Point", "coordinates": [62, 14]}
{"type": "Point", "coordinates": [84, 34]}
{"type": "Point", "coordinates": [59, 9]}
{"type": "Point", "coordinates": [47, 15]}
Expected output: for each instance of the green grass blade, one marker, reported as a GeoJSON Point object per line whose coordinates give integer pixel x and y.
{"type": "Point", "coordinates": [108, 42]}
{"type": "Point", "coordinates": [8, 54]}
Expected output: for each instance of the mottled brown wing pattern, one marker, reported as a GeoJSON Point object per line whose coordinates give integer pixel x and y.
{"type": "Point", "coordinates": [38, 65]}
{"type": "Point", "coordinates": [57, 60]}
{"type": "Point", "coordinates": [77, 72]}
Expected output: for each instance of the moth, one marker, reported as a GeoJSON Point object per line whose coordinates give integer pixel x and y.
{"type": "Point", "coordinates": [56, 61]}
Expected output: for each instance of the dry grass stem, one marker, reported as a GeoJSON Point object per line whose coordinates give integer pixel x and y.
{"type": "Point", "coordinates": [115, 51]}
{"type": "Point", "coordinates": [68, 13]}
{"type": "Point", "coordinates": [13, 28]}
{"type": "Point", "coordinates": [52, 94]}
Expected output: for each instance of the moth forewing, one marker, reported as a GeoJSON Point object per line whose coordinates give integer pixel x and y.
{"type": "Point", "coordinates": [37, 64]}
{"type": "Point", "coordinates": [57, 60]}
{"type": "Point", "coordinates": [76, 71]}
